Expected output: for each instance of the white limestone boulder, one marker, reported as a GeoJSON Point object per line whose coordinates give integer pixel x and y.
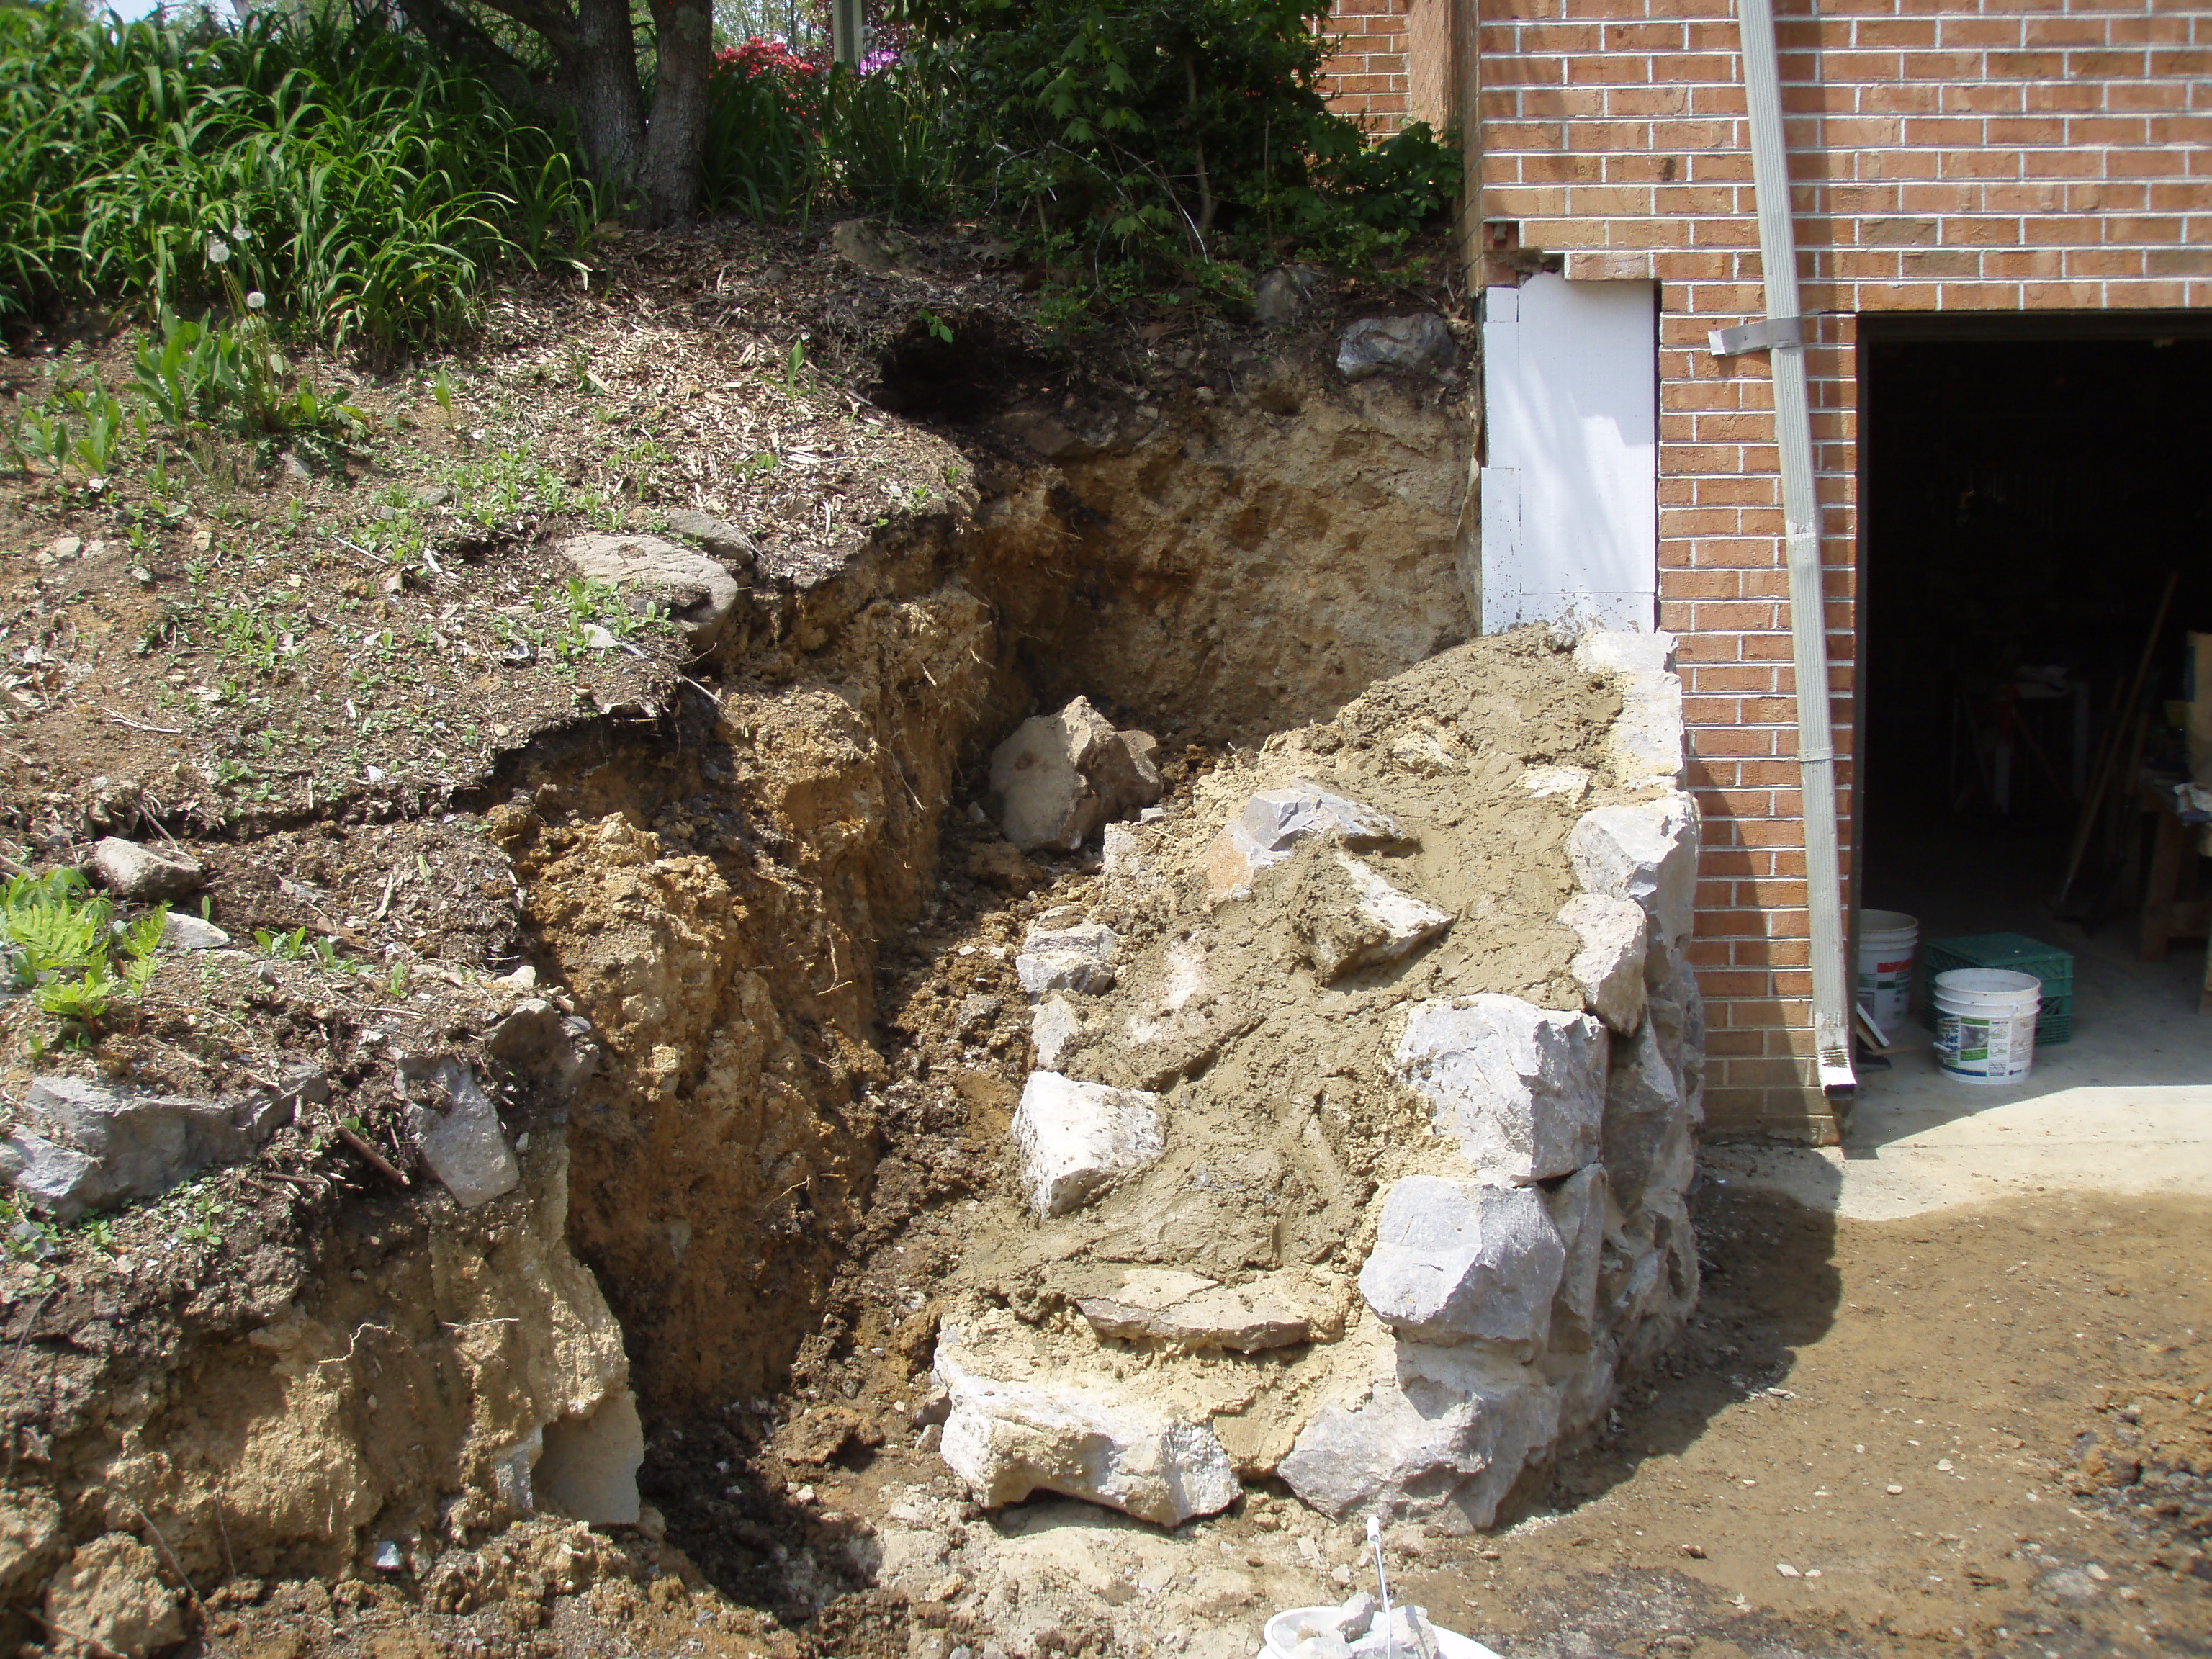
{"type": "Point", "coordinates": [1645, 743]}
{"type": "Point", "coordinates": [1424, 1431]}
{"type": "Point", "coordinates": [1055, 1031]}
{"type": "Point", "coordinates": [1648, 852]}
{"type": "Point", "coordinates": [1608, 964]}
{"type": "Point", "coordinates": [1072, 1139]}
{"type": "Point", "coordinates": [132, 871]}
{"type": "Point", "coordinates": [1458, 1261]}
{"type": "Point", "coordinates": [1350, 917]}
{"type": "Point", "coordinates": [1647, 1137]}
{"type": "Point", "coordinates": [701, 595]}
{"type": "Point", "coordinates": [1578, 1208]}
{"type": "Point", "coordinates": [1059, 777]}
{"type": "Point", "coordinates": [1069, 957]}
{"type": "Point", "coordinates": [1273, 821]}
{"type": "Point", "coordinates": [1523, 1088]}
{"type": "Point", "coordinates": [1007, 1439]}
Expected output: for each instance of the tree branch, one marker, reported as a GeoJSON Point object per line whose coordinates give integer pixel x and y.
{"type": "Point", "coordinates": [458, 36]}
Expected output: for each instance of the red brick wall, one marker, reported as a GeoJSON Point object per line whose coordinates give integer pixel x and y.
{"type": "Point", "coordinates": [1945, 154]}
{"type": "Point", "coordinates": [1369, 75]}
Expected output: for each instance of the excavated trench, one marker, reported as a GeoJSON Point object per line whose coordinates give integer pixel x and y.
{"type": "Point", "coordinates": [794, 937]}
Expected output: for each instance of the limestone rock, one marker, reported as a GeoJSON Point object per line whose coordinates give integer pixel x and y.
{"type": "Point", "coordinates": [83, 1145]}
{"type": "Point", "coordinates": [702, 596]}
{"type": "Point", "coordinates": [1578, 1208]}
{"type": "Point", "coordinates": [1609, 965]}
{"type": "Point", "coordinates": [1075, 956]}
{"type": "Point", "coordinates": [1647, 852]}
{"type": "Point", "coordinates": [1263, 833]}
{"type": "Point", "coordinates": [1648, 1279]}
{"type": "Point", "coordinates": [132, 871]}
{"type": "Point", "coordinates": [1678, 1020]}
{"type": "Point", "coordinates": [1422, 341]}
{"type": "Point", "coordinates": [1056, 1032]}
{"type": "Point", "coordinates": [1071, 1138]}
{"type": "Point", "coordinates": [1646, 741]}
{"type": "Point", "coordinates": [1061, 776]}
{"type": "Point", "coordinates": [1350, 917]}
{"type": "Point", "coordinates": [1007, 1439]}
{"type": "Point", "coordinates": [588, 1469]}
{"type": "Point", "coordinates": [1573, 781]}
{"type": "Point", "coordinates": [725, 540]}
{"type": "Point", "coordinates": [1280, 296]}
{"type": "Point", "coordinates": [553, 1051]}
{"type": "Point", "coordinates": [1243, 1318]}
{"type": "Point", "coordinates": [1458, 1261]}
{"type": "Point", "coordinates": [112, 1591]}
{"type": "Point", "coordinates": [1522, 1087]}
{"type": "Point", "coordinates": [1427, 1430]}
{"type": "Point", "coordinates": [1647, 1125]}
{"type": "Point", "coordinates": [180, 931]}
{"type": "Point", "coordinates": [458, 1130]}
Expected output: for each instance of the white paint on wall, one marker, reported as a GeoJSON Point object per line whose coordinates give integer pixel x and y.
{"type": "Point", "coordinates": [1570, 494]}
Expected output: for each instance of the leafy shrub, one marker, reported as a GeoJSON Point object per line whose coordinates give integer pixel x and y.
{"type": "Point", "coordinates": [61, 944]}
{"type": "Point", "coordinates": [1125, 135]}
{"type": "Point", "coordinates": [362, 182]}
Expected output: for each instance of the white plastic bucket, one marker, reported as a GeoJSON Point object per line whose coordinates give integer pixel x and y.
{"type": "Point", "coordinates": [1985, 1024]}
{"type": "Point", "coordinates": [1888, 942]}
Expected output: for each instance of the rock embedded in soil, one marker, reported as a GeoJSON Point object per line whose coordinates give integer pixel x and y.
{"type": "Point", "coordinates": [1054, 1032]}
{"type": "Point", "coordinates": [1458, 1261]}
{"type": "Point", "coordinates": [458, 1128]}
{"type": "Point", "coordinates": [1420, 342]}
{"type": "Point", "coordinates": [725, 540]}
{"type": "Point", "coordinates": [1060, 777]}
{"type": "Point", "coordinates": [1609, 965]}
{"type": "Point", "coordinates": [1521, 1087]}
{"type": "Point", "coordinates": [1273, 821]}
{"type": "Point", "coordinates": [132, 871]}
{"type": "Point", "coordinates": [1645, 743]}
{"type": "Point", "coordinates": [1006, 1439]}
{"type": "Point", "coordinates": [588, 1469]}
{"type": "Point", "coordinates": [1073, 1138]}
{"type": "Point", "coordinates": [111, 1593]}
{"type": "Point", "coordinates": [553, 1051]}
{"type": "Point", "coordinates": [1069, 957]}
{"type": "Point", "coordinates": [1242, 1318]}
{"type": "Point", "coordinates": [102, 1146]}
{"type": "Point", "coordinates": [1352, 918]}
{"type": "Point", "coordinates": [1647, 852]}
{"type": "Point", "coordinates": [180, 931]}
{"type": "Point", "coordinates": [702, 596]}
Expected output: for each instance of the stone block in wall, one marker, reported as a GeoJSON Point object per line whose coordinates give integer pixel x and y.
{"type": "Point", "coordinates": [1521, 1087]}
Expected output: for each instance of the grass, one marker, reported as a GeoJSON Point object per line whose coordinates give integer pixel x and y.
{"type": "Point", "coordinates": [364, 186]}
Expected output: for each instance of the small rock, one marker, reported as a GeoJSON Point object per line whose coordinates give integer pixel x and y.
{"type": "Point", "coordinates": [1422, 341]}
{"type": "Point", "coordinates": [1457, 1261]}
{"type": "Point", "coordinates": [458, 1131]}
{"type": "Point", "coordinates": [555, 1052]}
{"type": "Point", "coordinates": [1006, 1439]}
{"type": "Point", "coordinates": [1522, 1087]}
{"type": "Point", "coordinates": [181, 932]}
{"type": "Point", "coordinates": [1072, 958]}
{"type": "Point", "coordinates": [146, 873]}
{"type": "Point", "coordinates": [1647, 852]}
{"type": "Point", "coordinates": [1056, 1032]}
{"type": "Point", "coordinates": [112, 1592]}
{"type": "Point", "coordinates": [1573, 781]}
{"type": "Point", "coordinates": [1073, 1138]}
{"type": "Point", "coordinates": [1242, 1318]}
{"type": "Point", "coordinates": [1061, 776]}
{"type": "Point", "coordinates": [588, 1469]}
{"type": "Point", "coordinates": [1609, 965]}
{"type": "Point", "coordinates": [1349, 917]}
{"type": "Point", "coordinates": [1787, 1571]}
{"type": "Point", "coordinates": [725, 540]}
{"type": "Point", "coordinates": [703, 597]}
{"type": "Point", "coordinates": [1273, 821]}
{"type": "Point", "coordinates": [1283, 293]}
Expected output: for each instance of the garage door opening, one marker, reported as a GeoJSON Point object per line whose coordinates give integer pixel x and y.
{"type": "Point", "coordinates": [2033, 496]}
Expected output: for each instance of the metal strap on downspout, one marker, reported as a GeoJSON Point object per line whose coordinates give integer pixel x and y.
{"type": "Point", "coordinates": [1801, 514]}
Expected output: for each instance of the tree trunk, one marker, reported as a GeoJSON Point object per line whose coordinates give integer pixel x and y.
{"type": "Point", "coordinates": [683, 35]}
{"type": "Point", "coordinates": [600, 75]}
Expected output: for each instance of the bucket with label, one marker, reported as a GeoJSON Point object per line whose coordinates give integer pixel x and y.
{"type": "Point", "coordinates": [1889, 941]}
{"type": "Point", "coordinates": [1985, 1024]}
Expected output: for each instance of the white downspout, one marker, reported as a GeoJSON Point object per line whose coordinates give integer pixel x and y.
{"type": "Point", "coordinates": [1801, 514]}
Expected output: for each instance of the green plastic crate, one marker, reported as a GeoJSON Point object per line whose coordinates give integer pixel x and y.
{"type": "Point", "coordinates": [2015, 953]}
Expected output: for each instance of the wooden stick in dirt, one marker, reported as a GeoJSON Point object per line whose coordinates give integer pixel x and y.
{"type": "Point", "coordinates": [375, 1159]}
{"type": "Point", "coordinates": [2085, 825]}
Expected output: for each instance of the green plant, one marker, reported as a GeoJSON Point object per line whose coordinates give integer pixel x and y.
{"type": "Point", "coordinates": [286, 947]}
